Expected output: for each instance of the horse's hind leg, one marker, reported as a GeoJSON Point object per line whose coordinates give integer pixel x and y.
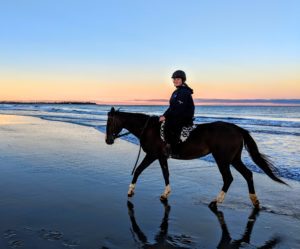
{"type": "Point", "coordinates": [165, 170]}
{"type": "Point", "coordinates": [227, 179]}
{"type": "Point", "coordinates": [247, 174]}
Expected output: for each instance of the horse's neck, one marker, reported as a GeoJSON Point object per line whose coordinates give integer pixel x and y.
{"type": "Point", "coordinates": [134, 124]}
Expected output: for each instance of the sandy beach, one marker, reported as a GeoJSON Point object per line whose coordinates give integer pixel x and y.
{"type": "Point", "coordinates": [61, 186]}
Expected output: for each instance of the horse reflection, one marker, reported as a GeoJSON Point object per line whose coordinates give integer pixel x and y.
{"type": "Point", "coordinates": [162, 238]}
{"type": "Point", "coordinates": [227, 242]}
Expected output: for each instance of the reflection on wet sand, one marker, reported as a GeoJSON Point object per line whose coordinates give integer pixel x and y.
{"type": "Point", "coordinates": [227, 242]}
{"type": "Point", "coordinates": [162, 238]}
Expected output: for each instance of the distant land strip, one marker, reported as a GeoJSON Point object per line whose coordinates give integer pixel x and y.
{"type": "Point", "coordinates": [47, 102]}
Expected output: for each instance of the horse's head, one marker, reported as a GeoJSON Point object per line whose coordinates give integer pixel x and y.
{"type": "Point", "coordinates": [113, 126]}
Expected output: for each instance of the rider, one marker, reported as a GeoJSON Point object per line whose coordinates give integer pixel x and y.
{"type": "Point", "coordinates": [180, 112]}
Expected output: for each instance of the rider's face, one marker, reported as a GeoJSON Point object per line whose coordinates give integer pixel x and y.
{"type": "Point", "coordinates": [177, 82]}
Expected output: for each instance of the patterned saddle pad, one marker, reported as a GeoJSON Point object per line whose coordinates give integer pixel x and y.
{"type": "Point", "coordinates": [185, 132]}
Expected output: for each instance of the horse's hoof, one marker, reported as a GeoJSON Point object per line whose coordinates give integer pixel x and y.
{"type": "Point", "coordinates": [256, 205]}
{"type": "Point", "coordinates": [164, 201]}
{"type": "Point", "coordinates": [254, 214]}
{"type": "Point", "coordinates": [213, 205]}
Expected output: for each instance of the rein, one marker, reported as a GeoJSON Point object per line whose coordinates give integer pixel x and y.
{"type": "Point", "coordinates": [122, 135]}
{"type": "Point", "coordinates": [138, 157]}
{"type": "Point", "coordinates": [126, 133]}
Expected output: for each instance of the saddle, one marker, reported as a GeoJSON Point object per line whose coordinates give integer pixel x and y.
{"type": "Point", "coordinates": [185, 132]}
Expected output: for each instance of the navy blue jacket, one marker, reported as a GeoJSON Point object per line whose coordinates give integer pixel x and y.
{"type": "Point", "coordinates": [182, 106]}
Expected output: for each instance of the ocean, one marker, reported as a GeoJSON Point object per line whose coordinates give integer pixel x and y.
{"type": "Point", "coordinates": [276, 129]}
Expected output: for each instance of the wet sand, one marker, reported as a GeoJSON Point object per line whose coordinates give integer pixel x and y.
{"type": "Point", "coordinates": [61, 186]}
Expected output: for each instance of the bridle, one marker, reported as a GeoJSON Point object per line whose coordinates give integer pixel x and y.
{"type": "Point", "coordinates": [126, 133]}
{"type": "Point", "coordinates": [115, 136]}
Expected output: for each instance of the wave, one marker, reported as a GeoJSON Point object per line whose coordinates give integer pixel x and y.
{"type": "Point", "coordinates": [96, 110]}
{"type": "Point", "coordinates": [52, 109]}
{"type": "Point", "coordinates": [82, 120]}
{"type": "Point", "coordinates": [276, 132]}
{"type": "Point", "coordinates": [252, 121]}
{"type": "Point", "coordinates": [82, 116]}
{"type": "Point", "coordinates": [76, 111]}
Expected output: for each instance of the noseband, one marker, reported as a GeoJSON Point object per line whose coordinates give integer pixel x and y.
{"type": "Point", "coordinates": [118, 135]}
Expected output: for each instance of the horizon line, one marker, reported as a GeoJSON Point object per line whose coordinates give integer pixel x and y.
{"type": "Point", "coordinates": [197, 101]}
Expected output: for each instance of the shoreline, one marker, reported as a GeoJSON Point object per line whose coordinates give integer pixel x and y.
{"type": "Point", "coordinates": [62, 185]}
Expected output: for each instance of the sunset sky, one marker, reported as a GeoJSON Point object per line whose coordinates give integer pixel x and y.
{"type": "Point", "coordinates": [126, 51]}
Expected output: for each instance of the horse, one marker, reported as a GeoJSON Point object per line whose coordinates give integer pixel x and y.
{"type": "Point", "coordinates": [225, 141]}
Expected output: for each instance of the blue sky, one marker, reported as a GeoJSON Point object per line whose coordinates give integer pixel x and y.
{"type": "Point", "coordinates": [150, 39]}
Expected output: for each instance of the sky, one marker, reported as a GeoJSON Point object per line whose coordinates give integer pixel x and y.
{"type": "Point", "coordinates": [126, 51]}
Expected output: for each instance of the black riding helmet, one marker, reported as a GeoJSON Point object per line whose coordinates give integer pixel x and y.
{"type": "Point", "coordinates": [179, 74]}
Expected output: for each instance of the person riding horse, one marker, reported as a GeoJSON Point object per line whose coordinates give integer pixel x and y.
{"type": "Point", "coordinates": [180, 112]}
{"type": "Point", "coordinates": [223, 140]}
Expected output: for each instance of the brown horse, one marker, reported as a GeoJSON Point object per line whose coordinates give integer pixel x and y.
{"type": "Point", "coordinates": [223, 140]}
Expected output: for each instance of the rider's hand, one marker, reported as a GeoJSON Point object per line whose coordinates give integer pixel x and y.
{"type": "Point", "coordinates": [162, 118]}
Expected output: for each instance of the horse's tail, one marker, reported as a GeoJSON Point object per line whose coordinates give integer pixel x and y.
{"type": "Point", "coordinates": [260, 160]}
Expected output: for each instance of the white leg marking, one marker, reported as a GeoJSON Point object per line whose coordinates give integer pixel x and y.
{"type": "Point", "coordinates": [221, 197]}
{"type": "Point", "coordinates": [167, 192]}
{"type": "Point", "coordinates": [131, 189]}
{"type": "Point", "coordinates": [254, 199]}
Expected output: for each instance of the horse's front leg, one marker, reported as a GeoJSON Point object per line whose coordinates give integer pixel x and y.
{"type": "Point", "coordinates": [165, 170]}
{"type": "Point", "coordinates": [143, 165]}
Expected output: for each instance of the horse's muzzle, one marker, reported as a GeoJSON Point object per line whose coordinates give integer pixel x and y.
{"type": "Point", "coordinates": [109, 141]}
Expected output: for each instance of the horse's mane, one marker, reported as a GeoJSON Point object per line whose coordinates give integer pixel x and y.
{"type": "Point", "coordinates": [136, 114]}
{"type": "Point", "coordinates": [143, 116]}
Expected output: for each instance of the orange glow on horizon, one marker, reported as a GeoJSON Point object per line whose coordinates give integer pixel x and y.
{"type": "Point", "coordinates": [107, 89]}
